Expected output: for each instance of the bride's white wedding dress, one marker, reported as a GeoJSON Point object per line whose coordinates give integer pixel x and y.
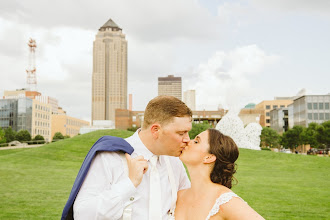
{"type": "Point", "coordinates": [222, 199]}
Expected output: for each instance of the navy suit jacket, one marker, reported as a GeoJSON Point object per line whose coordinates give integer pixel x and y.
{"type": "Point", "coordinates": [105, 143]}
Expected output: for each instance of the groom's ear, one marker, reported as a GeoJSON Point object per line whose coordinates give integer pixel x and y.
{"type": "Point", "coordinates": [210, 158]}
{"type": "Point", "coordinates": [155, 130]}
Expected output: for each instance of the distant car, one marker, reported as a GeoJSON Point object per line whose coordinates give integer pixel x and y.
{"type": "Point", "coordinates": [287, 151]}
{"type": "Point", "coordinates": [314, 151]}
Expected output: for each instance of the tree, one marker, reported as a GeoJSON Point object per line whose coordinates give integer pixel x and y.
{"type": "Point", "coordinates": [39, 139]}
{"type": "Point", "coordinates": [23, 136]}
{"type": "Point", "coordinates": [323, 134]}
{"type": "Point", "coordinates": [269, 137]}
{"type": "Point", "coordinates": [292, 137]}
{"type": "Point", "coordinates": [132, 129]}
{"type": "Point", "coordinates": [67, 136]}
{"type": "Point", "coordinates": [58, 136]}
{"type": "Point", "coordinates": [10, 134]}
{"type": "Point", "coordinates": [309, 135]}
{"type": "Point", "coordinates": [2, 136]}
{"type": "Point", "coordinates": [198, 128]}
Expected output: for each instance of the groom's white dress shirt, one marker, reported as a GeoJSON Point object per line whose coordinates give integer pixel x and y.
{"type": "Point", "coordinates": [107, 189]}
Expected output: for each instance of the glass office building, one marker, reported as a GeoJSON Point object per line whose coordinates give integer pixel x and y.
{"type": "Point", "coordinates": [311, 108]}
{"type": "Point", "coordinates": [279, 119]}
{"type": "Point", "coordinates": [16, 113]}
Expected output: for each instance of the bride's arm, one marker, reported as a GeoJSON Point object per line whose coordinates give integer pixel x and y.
{"type": "Point", "coordinates": [180, 198]}
{"type": "Point", "coordinates": [180, 204]}
{"type": "Point", "coordinates": [181, 192]}
{"type": "Point", "coordinates": [236, 208]}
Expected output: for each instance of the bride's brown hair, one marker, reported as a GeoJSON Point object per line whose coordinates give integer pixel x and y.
{"type": "Point", "coordinates": [226, 152]}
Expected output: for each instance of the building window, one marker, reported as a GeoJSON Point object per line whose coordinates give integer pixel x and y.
{"type": "Point", "coordinates": [282, 106]}
{"type": "Point", "coordinates": [326, 116]}
{"type": "Point", "coordinates": [321, 116]}
{"type": "Point", "coordinates": [267, 113]}
{"type": "Point", "coordinates": [267, 120]}
{"type": "Point", "coordinates": [320, 105]}
{"type": "Point", "coordinates": [309, 106]}
{"type": "Point", "coordinates": [316, 116]}
{"type": "Point", "coordinates": [267, 106]}
{"type": "Point", "coordinates": [326, 105]}
{"type": "Point", "coordinates": [314, 105]}
{"type": "Point", "coordinates": [310, 116]}
{"type": "Point", "coordinates": [274, 106]}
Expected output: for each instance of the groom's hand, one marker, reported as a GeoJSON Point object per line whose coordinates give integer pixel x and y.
{"type": "Point", "coordinates": [136, 168]}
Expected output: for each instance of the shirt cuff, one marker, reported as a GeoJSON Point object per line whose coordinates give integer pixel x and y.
{"type": "Point", "coordinates": [125, 188]}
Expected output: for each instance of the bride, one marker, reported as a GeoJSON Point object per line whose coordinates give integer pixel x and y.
{"type": "Point", "coordinates": [210, 159]}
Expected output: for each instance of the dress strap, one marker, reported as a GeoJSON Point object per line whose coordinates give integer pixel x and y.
{"type": "Point", "coordinates": [222, 199]}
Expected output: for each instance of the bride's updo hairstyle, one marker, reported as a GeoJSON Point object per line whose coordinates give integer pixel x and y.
{"type": "Point", "coordinates": [226, 152]}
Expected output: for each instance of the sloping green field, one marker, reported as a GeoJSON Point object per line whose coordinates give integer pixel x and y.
{"type": "Point", "coordinates": [35, 183]}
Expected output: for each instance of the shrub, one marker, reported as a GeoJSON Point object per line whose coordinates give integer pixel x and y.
{"type": "Point", "coordinates": [23, 136]}
{"type": "Point", "coordinates": [38, 139]}
{"type": "Point", "coordinates": [58, 136]}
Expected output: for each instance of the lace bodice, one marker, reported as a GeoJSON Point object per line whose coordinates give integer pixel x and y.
{"type": "Point", "coordinates": [222, 199]}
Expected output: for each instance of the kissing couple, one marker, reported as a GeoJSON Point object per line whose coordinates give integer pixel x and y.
{"type": "Point", "coordinates": [150, 182]}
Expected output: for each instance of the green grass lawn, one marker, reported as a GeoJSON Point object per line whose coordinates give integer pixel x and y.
{"type": "Point", "coordinates": [35, 183]}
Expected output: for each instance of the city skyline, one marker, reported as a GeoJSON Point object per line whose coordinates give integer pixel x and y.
{"type": "Point", "coordinates": [230, 52]}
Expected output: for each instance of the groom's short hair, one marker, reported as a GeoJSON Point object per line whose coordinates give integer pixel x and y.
{"type": "Point", "coordinates": [163, 109]}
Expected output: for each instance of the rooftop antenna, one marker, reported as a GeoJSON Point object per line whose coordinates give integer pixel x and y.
{"type": "Point", "coordinates": [31, 70]}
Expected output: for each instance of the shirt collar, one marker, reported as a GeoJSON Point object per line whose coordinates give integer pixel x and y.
{"type": "Point", "coordinates": [141, 149]}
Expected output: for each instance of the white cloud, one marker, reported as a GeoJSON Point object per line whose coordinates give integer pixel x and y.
{"type": "Point", "coordinates": [225, 78]}
{"type": "Point", "coordinates": [65, 31]}
{"type": "Point", "coordinates": [148, 20]}
{"type": "Point", "coordinates": [12, 76]}
{"type": "Point", "coordinates": [11, 39]}
{"type": "Point", "coordinates": [164, 37]}
{"type": "Point", "coordinates": [320, 7]}
{"type": "Point", "coordinates": [63, 62]}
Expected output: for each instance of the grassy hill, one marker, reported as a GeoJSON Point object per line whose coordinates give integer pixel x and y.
{"type": "Point", "coordinates": [35, 183]}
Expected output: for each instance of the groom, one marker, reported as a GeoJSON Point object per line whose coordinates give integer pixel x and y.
{"type": "Point", "coordinates": [147, 189]}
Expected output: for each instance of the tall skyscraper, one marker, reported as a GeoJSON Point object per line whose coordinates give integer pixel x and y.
{"type": "Point", "coordinates": [170, 85]}
{"type": "Point", "coordinates": [109, 80]}
{"type": "Point", "coordinates": [189, 98]}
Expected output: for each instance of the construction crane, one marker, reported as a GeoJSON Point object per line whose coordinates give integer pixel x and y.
{"type": "Point", "coordinates": [31, 70]}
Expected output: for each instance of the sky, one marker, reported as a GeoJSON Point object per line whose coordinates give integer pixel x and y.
{"type": "Point", "coordinates": [231, 52]}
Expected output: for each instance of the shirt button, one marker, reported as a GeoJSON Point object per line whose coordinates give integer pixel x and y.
{"type": "Point", "coordinates": [132, 198]}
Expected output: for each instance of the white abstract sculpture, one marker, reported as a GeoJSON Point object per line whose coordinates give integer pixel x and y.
{"type": "Point", "coordinates": [232, 126]}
